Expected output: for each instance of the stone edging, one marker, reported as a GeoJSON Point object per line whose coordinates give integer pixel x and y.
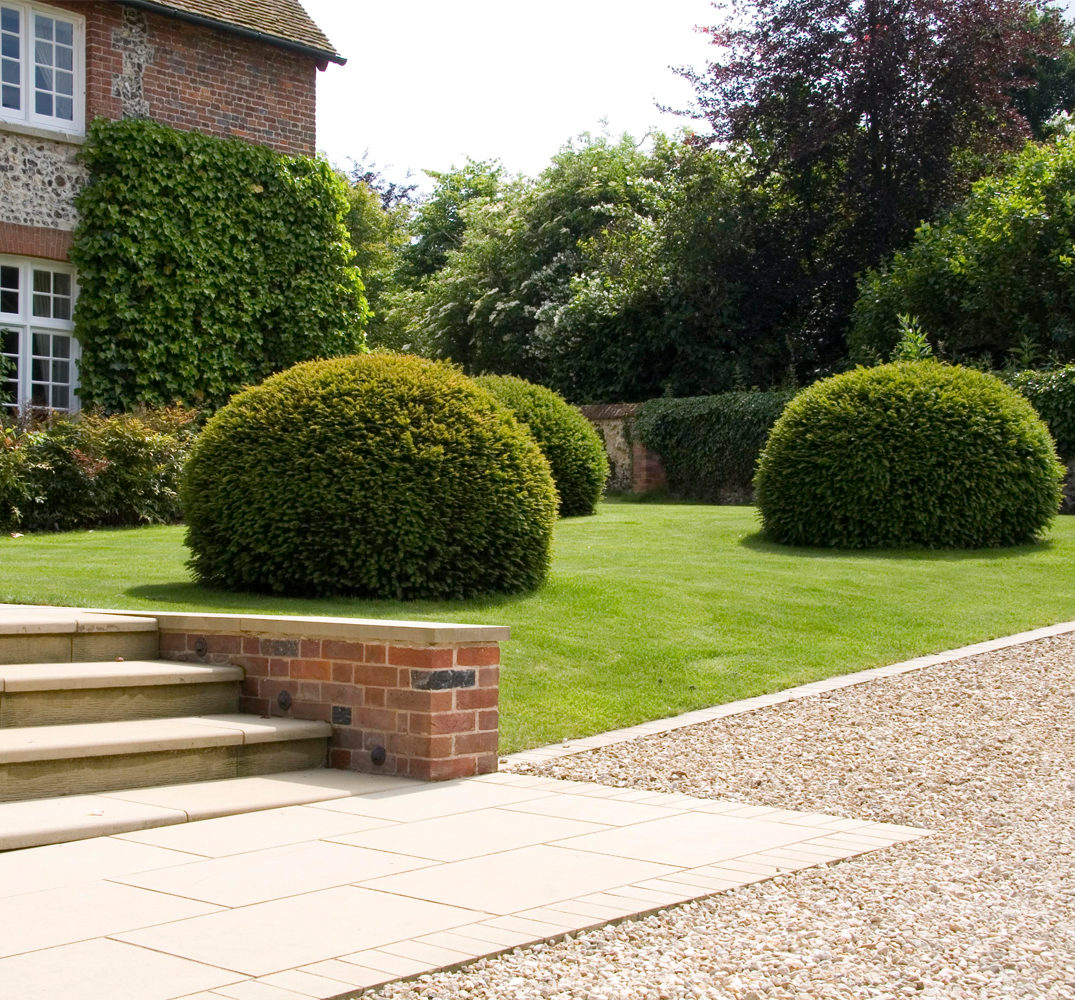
{"type": "Point", "coordinates": [569, 748]}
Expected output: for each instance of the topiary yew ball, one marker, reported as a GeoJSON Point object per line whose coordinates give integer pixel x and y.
{"type": "Point", "coordinates": [915, 453]}
{"type": "Point", "coordinates": [566, 438]}
{"type": "Point", "coordinates": [381, 475]}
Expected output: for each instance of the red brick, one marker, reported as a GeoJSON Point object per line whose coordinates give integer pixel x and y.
{"type": "Point", "coordinates": [316, 670]}
{"type": "Point", "coordinates": [374, 653]}
{"type": "Point", "coordinates": [341, 694]}
{"type": "Point", "coordinates": [371, 676]}
{"type": "Point", "coordinates": [445, 770]}
{"type": "Point", "coordinates": [224, 643]}
{"type": "Point", "coordinates": [279, 667]}
{"type": "Point", "coordinates": [168, 642]}
{"type": "Point", "coordinates": [333, 649]}
{"type": "Point", "coordinates": [307, 691]}
{"type": "Point", "coordinates": [254, 706]}
{"type": "Point", "coordinates": [310, 649]}
{"type": "Point", "coordinates": [478, 656]}
{"type": "Point", "coordinates": [343, 673]}
{"type": "Point", "coordinates": [477, 698]}
{"type": "Point", "coordinates": [374, 697]}
{"type": "Point", "coordinates": [419, 701]}
{"type": "Point", "coordinates": [424, 659]}
{"type": "Point", "coordinates": [488, 720]}
{"type": "Point", "coordinates": [251, 687]}
{"type": "Point", "coordinates": [345, 736]}
{"type": "Point", "coordinates": [451, 722]}
{"type": "Point", "coordinates": [487, 763]}
{"type": "Point", "coordinates": [381, 719]}
{"type": "Point", "coordinates": [251, 645]}
{"type": "Point", "coordinates": [489, 677]}
{"type": "Point", "coordinates": [256, 666]}
{"type": "Point", "coordinates": [466, 743]}
{"type": "Point", "coordinates": [312, 712]}
{"type": "Point", "coordinates": [340, 759]}
{"type": "Point", "coordinates": [422, 746]}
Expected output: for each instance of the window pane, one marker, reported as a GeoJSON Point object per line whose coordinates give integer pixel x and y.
{"type": "Point", "coordinates": [65, 83]}
{"type": "Point", "coordinates": [39, 371]}
{"type": "Point", "coordinates": [43, 306]}
{"type": "Point", "coordinates": [65, 58]}
{"type": "Point", "coordinates": [43, 104]}
{"type": "Point", "coordinates": [9, 19]}
{"type": "Point", "coordinates": [61, 308]}
{"type": "Point", "coordinates": [61, 397]}
{"type": "Point", "coordinates": [42, 281]}
{"type": "Point", "coordinates": [9, 72]}
{"type": "Point", "coordinates": [41, 345]}
{"type": "Point", "coordinates": [44, 27]}
{"type": "Point", "coordinates": [43, 77]}
{"type": "Point", "coordinates": [9, 97]}
{"type": "Point", "coordinates": [9, 46]}
{"type": "Point", "coordinates": [61, 283]}
{"type": "Point", "coordinates": [65, 109]}
{"type": "Point", "coordinates": [61, 371]}
{"type": "Point", "coordinates": [65, 33]}
{"type": "Point", "coordinates": [9, 301]}
{"type": "Point", "coordinates": [61, 347]}
{"type": "Point", "coordinates": [9, 342]}
{"type": "Point", "coordinates": [39, 395]}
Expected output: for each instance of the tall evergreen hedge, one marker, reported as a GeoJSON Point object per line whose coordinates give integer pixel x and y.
{"type": "Point", "coordinates": [206, 264]}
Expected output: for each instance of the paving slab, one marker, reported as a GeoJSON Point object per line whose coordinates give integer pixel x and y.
{"type": "Point", "coordinates": [374, 879]}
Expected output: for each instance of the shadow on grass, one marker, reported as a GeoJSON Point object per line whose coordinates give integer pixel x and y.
{"type": "Point", "coordinates": [758, 542]}
{"type": "Point", "coordinates": [187, 594]}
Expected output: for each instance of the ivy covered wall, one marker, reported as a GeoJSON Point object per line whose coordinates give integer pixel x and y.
{"type": "Point", "coordinates": [206, 264]}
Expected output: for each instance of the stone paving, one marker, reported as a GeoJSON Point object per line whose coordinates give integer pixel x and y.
{"type": "Point", "coordinates": [397, 879]}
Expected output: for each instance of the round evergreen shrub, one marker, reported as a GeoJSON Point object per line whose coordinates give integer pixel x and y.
{"type": "Point", "coordinates": [914, 453]}
{"type": "Point", "coordinates": [380, 475]}
{"type": "Point", "coordinates": [566, 438]}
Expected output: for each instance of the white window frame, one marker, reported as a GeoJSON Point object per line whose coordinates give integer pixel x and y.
{"type": "Point", "coordinates": [25, 324]}
{"type": "Point", "coordinates": [27, 114]}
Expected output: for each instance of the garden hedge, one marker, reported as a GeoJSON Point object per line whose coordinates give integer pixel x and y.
{"type": "Point", "coordinates": [567, 439]}
{"type": "Point", "coordinates": [914, 453]}
{"type": "Point", "coordinates": [1052, 393]}
{"type": "Point", "coordinates": [380, 475]}
{"type": "Point", "coordinates": [709, 445]}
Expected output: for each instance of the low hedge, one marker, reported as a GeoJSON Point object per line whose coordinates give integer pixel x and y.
{"type": "Point", "coordinates": [88, 471]}
{"type": "Point", "coordinates": [381, 475]}
{"type": "Point", "coordinates": [709, 445]}
{"type": "Point", "coordinates": [914, 453]}
{"type": "Point", "coordinates": [566, 438]}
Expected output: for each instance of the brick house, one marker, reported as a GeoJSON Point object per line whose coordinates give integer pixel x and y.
{"type": "Point", "coordinates": [231, 68]}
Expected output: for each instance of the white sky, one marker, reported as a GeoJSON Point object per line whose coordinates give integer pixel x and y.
{"type": "Point", "coordinates": [430, 82]}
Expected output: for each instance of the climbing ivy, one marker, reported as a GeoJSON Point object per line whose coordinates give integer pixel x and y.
{"type": "Point", "coordinates": [206, 264]}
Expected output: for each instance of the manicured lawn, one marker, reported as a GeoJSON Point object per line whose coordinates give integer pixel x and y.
{"type": "Point", "coordinates": [651, 609]}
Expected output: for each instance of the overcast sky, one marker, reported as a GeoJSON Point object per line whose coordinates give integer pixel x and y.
{"type": "Point", "coordinates": [429, 82]}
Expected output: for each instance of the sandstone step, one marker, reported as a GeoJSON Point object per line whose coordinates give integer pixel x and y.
{"type": "Point", "coordinates": [36, 822]}
{"type": "Point", "coordinates": [52, 694]}
{"type": "Point", "coordinates": [48, 761]}
{"type": "Point", "coordinates": [30, 634]}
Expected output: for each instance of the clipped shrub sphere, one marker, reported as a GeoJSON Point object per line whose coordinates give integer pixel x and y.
{"type": "Point", "coordinates": [567, 439]}
{"type": "Point", "coordinates": [915, 453]}
{"type": "Point", "coordinates": [380, 475]}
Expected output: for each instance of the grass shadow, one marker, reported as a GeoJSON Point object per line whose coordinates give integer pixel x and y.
{"type": "Point", "coordinates": [758, 542]}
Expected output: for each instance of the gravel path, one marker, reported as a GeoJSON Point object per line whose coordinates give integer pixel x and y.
{"type": "Point", "coordinates": [982, 751]}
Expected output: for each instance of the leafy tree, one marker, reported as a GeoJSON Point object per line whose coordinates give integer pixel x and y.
{"type": "Point", "coordinates": [438, 224]}
{"type": "Point", "coordinates": [1053, 89]}
{"type": "Point", "coordinates": [872, 114]}
{"type": "Point", "coordinates": [518, 253]}
{"type": "Point", "coordinates": [992, 280]}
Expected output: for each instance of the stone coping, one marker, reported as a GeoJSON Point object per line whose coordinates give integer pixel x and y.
{"type": "Point", "coordinates": [32, 618]}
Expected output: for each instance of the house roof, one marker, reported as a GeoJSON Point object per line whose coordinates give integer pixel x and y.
{"type": "Point", "coordinates": [278, 22]}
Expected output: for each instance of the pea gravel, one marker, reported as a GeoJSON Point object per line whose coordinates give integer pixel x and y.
{"type": "Point", "coordinates": [981, 751]}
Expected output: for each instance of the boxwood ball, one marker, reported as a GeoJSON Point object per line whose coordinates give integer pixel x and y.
{"type": "Point", "coordinates": [381, 475]}
{"type": "Point", "coordinates": [914, 453]}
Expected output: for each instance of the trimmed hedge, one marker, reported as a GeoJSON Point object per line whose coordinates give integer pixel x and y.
{"type": "Point", "coordinates": [380, 475]}
{"type": "Point", "coordinates": [90, 471]}
{"type": "Point", "coordinates": [205, 264]}
{"type": "Point", "coordinates": [914, 453]}
{"type": "Point", "coordinates": [567, 439]}
{"type": "Point", "coordinates": [709, 445]}
{"type": "Point", "coordinates": [1052, 394]}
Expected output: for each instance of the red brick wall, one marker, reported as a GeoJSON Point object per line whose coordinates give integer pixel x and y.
{"type": "Point", "coordinates": [434, 710]}
{"type": "Point", "coordinates": [204, 80]}
{"type": "Point", "coordinates": [34, 241]}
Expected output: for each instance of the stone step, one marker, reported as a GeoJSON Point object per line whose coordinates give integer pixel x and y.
{"type": "Point", "coordinates": [31, 634]}
{"type": "Point", "coordinates": [36, 822]}
{"type": "Point", "coordinates": [49, 761]}
{"type": "Point", "coordinates": [58, 694]}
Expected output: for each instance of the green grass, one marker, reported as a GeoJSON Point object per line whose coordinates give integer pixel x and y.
{"type": "Point", "coordinates": [650, 610]}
